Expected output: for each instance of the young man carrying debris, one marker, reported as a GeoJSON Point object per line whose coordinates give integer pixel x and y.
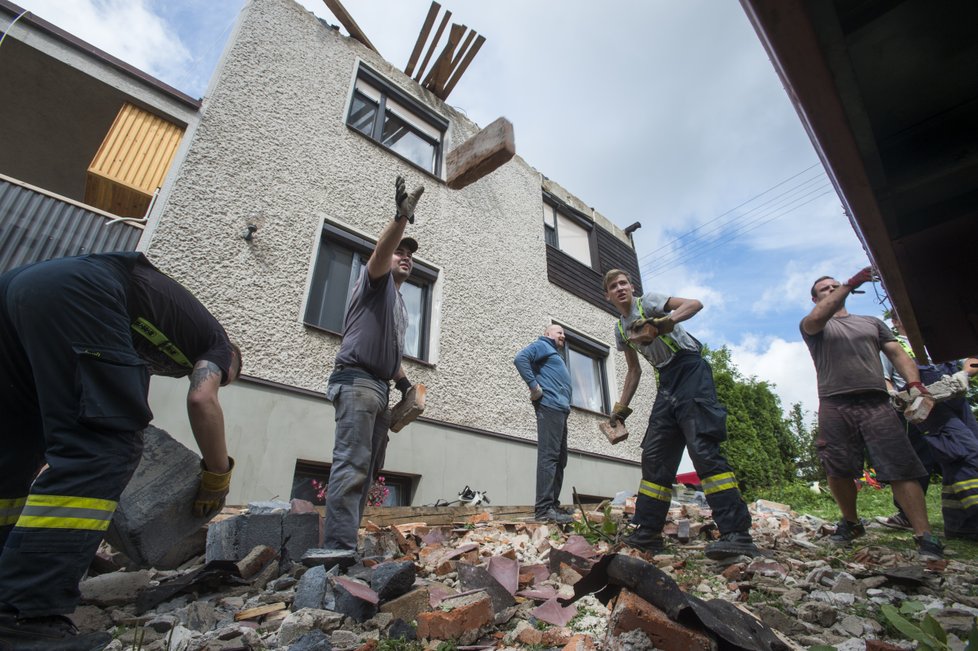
{"type": "Point", "coordinates": [949, 437]}
{"type": "Point", "coordinates": [686, 414]}
{"type": "Point", "coordinates": [79, 338]}
{"type": "Point", "coordinates": [854, 410]}
{"type": "Point", "coordinates": [545, 373]}
{"type": "Point", "coordinates": [368, 360]}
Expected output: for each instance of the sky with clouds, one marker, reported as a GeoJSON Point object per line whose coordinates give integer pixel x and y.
{"type": "Point", "coordinates": [667, 113]}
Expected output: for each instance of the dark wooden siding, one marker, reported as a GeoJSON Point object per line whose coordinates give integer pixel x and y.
{"type": "Point", "coordinates": [584, 282]}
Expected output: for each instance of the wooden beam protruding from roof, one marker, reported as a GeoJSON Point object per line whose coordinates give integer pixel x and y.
{"type": "Point", "coordinates": [429, 21]}
{"type": "Point", "coordinates": [448, 67]}
{"type": "Point", "coordinates": [347, 21]}
{"type": "Point", "coordinates": [434, 44]}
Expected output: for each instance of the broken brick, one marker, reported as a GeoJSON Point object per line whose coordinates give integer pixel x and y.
{"type": "Point", "coordinates": [467, 613]}
{"type": "Point", "coordinates": [256, 559]}
{"type": "Point", "coordinates": [634, 613]}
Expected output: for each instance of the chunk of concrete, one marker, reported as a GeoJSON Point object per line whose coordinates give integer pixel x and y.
{"type": "Point", "coordinates": [393, 579]}
{"type": "Point", "coordinates": [354, 599]}
{"type": "Point", "coordinates": [481, 154]}
{"type": "Point", "coordinates": [155, 512]}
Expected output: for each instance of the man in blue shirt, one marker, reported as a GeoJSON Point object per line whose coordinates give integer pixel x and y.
{"type": "Point", "coordinates": [543, 369]}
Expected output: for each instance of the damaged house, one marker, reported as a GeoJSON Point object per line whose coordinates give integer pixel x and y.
{"type": "Point", "coordinates": [274, 191]}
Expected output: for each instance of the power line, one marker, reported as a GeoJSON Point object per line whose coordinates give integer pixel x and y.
{"type": "Point", "coordinates": [681, 256]}
{"type": "Point", "coordinates": [760, 194]}
{"type": "Point", "coordinates": [725, 241]}
{"type": "Point", "coordinates": [702, 237]}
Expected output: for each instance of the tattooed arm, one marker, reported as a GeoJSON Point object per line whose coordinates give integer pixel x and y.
{"type": "Point", "coordinates": [206, 416]}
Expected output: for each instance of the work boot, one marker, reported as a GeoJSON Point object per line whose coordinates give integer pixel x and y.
{"type": "Point", "coordinates": [553, 515]}
{"type": "Point", "coordinates": [929, 547]}
{"type": "Point", "coordinates": [646, 539]}
{"type": "Point", "coordinates": [846, 532]}
{"type": "Point", "coordinates": [896, 521]}
{"type": "Point", "coordinates": [734, 543]}
{"type": "Point", "coordinates": [54, 633]}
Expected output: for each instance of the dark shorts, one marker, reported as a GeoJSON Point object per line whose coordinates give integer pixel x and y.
{"type": "Point", "coordinates": [849, 426]}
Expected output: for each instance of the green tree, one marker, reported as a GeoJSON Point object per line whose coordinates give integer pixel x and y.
{"type": "Point", "coordinates": [807, 465]}
{"type": "Point", "coordinates": [760, 443]}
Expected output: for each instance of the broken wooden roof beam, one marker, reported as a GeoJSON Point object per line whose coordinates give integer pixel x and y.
{"type": "Point", "coordinates": [434, 45]}
{"type": "Point", "coordinates": [348, 23]}
{"type": "Point", "coordinates": [429, 22]}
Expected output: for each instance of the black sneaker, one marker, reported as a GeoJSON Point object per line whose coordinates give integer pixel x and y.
{"type": "Point", "coordinates": [846, 532]}
{"type": "Point", "coordinates": [896, 521]}
{"type": "Point", "coordinates": [646, 539]}
{"type": "Point", "coordinates": [734, 543]}
{"type": "Point", "coordinates": [55, 633]}
{"type": "Point", "coordinates": [929, 547]}
{"type": "Point", "coordinates": [553, 515]}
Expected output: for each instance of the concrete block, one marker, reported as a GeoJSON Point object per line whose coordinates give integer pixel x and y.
{"type": "Point", "coordinates": [311, 589]}
{"type": "Point", "coordinates": [481, 154]}
{"type": "Point", "coordinates": [155, 513]}
{"type": "Point", "coordinates": [300, 533]}
{"type": "Point", "coordinates": [234, 538]}
{"type": "Point", "coordinates": [393, 579]}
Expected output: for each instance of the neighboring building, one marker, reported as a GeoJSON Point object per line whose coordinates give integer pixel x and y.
{"type": "Point", "coordinates": [86, 139]}
{"type": "Point", "coordinates": [301, 135]}
{"type": "Point", "coordinates": [888, 92]}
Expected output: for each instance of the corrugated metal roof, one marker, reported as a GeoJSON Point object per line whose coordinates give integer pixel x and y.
{"type": "Point", "coordinates": [35, 226]}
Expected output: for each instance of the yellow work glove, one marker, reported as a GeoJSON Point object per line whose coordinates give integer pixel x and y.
{"type": "Point", "coordinates": [212, 490]}
{"type": "Point", "coordinates": [619, 413]}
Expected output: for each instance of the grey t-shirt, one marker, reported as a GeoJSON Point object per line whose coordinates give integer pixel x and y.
{"type": "Point", "coordinates": [658, 352]}
{"type": "Point", "coordinates": [847, 354]}
{"type": "Point", "coordinates": [373, 331]}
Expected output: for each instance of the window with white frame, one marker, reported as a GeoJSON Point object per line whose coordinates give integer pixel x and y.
{"type": "Point", "coordinates": [342, 257]}
{"type": "Point", "coordinates": [586, 361]}
{"type": "Point", "coordinates": [391, 117]}
{"type": "Point", "coordinates": [567, 234]}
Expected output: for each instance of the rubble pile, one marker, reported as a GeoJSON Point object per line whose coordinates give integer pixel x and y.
{"type": "Point", "coordinates": [481, 583]}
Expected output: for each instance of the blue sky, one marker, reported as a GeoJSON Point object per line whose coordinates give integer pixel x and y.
{"type": "Point", "coordinates": [667, 113]}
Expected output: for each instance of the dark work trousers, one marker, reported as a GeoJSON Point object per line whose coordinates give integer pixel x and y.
{"type": "Point", "coordinates": [551, 457]}
{"type": "Point", "coordinates": [686, 414]}
{"type": "Point", "coordinates": [952, 433]}
{"type": "Point", "coordinates": [73, 396]}
{"type": "Point", "coordinates": [362, 421]}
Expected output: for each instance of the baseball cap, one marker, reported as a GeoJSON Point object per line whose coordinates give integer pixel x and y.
{"type": "Point", "coordinates": [409, 243]}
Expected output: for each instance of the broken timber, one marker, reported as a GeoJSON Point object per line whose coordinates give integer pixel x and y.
{"type": "Point", "coordinates": [452, 62]}
{"type": "Point", "coordinates": [347, 21]}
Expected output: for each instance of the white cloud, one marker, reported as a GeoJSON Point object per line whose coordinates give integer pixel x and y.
{"type": "Point", "coordinates": [785, 364]}
{"type": "Point", "coordinates": [126, 29]}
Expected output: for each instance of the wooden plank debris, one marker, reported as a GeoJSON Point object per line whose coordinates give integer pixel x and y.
{"type": "Point", "coordinates": [252, 613]}
{"type": "Point", "coordinates": [434, 45]}
{"type": "Point", "coordinates": [347, 21]}
{"type": "Point", "coordinates": [429, 21]}
{"type": "Point", "coordinates": [463, 67]}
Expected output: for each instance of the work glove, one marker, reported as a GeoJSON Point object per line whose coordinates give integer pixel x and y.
{"type": "Point", "coordinates": [919, 404]}
{"type": "Point", "coordinates": [212, 490]}
{"type": "Point", "coordinates": [403, 385]}
{"type": "Point", "coordinates": [864, 275]}
{"type": "Point", "coordinates": [619, 413]}
{"type": "Point", "coordinates": [406, 202]}
{"type": "Point", "coordinates": [664, 324]}
{"type": "Point", "coordinates": [536, 393]}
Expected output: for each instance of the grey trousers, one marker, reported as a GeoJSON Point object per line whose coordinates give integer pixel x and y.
{"type": "Point", "coordinates": [551, 457]}
{"type": "Point", "coordinates": [362, 421]}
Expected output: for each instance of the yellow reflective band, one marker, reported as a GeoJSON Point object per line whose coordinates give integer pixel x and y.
{"type": "Point", "coordinates": [963, 485]}
{"type": "Point", "coordinates": [10, 510]}
{"type": "Point", "coordinates": [655, 491]}
{"type": "Point", "coordinates": [948, 503]}
{"type": "Point", "coordinates": [717, 483]}
{"type": "Point", "coordinates": [72, 502]}
{"type": "Point", "coordinates": [66, 512]}
{"type": "Point", "coordinates": [158, 339]}
{"type": "Point", "coordinates": [37, 522]}
{"type": "Point", "coordinates": [969, 501]}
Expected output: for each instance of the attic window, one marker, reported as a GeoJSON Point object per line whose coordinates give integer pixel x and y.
{"type": "Point", "coordinates": [396, 121]}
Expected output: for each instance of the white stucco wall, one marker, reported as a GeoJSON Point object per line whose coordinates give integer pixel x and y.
{"type": "Point", "coordinates": [272, 148]}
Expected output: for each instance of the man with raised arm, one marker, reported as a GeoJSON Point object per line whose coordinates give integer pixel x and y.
{"type": "Point", "coordinates": [368, 361]}
{"type": "Point", "coordinates": [854, 413]}
{"type": "Point", "coordinates": [79, 339]}
{"type": "Point", "coordinates": [685, 415]}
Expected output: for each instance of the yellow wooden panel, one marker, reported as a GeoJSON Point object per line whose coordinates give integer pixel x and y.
{"type": "Point", "coordinates": [136, 153]}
